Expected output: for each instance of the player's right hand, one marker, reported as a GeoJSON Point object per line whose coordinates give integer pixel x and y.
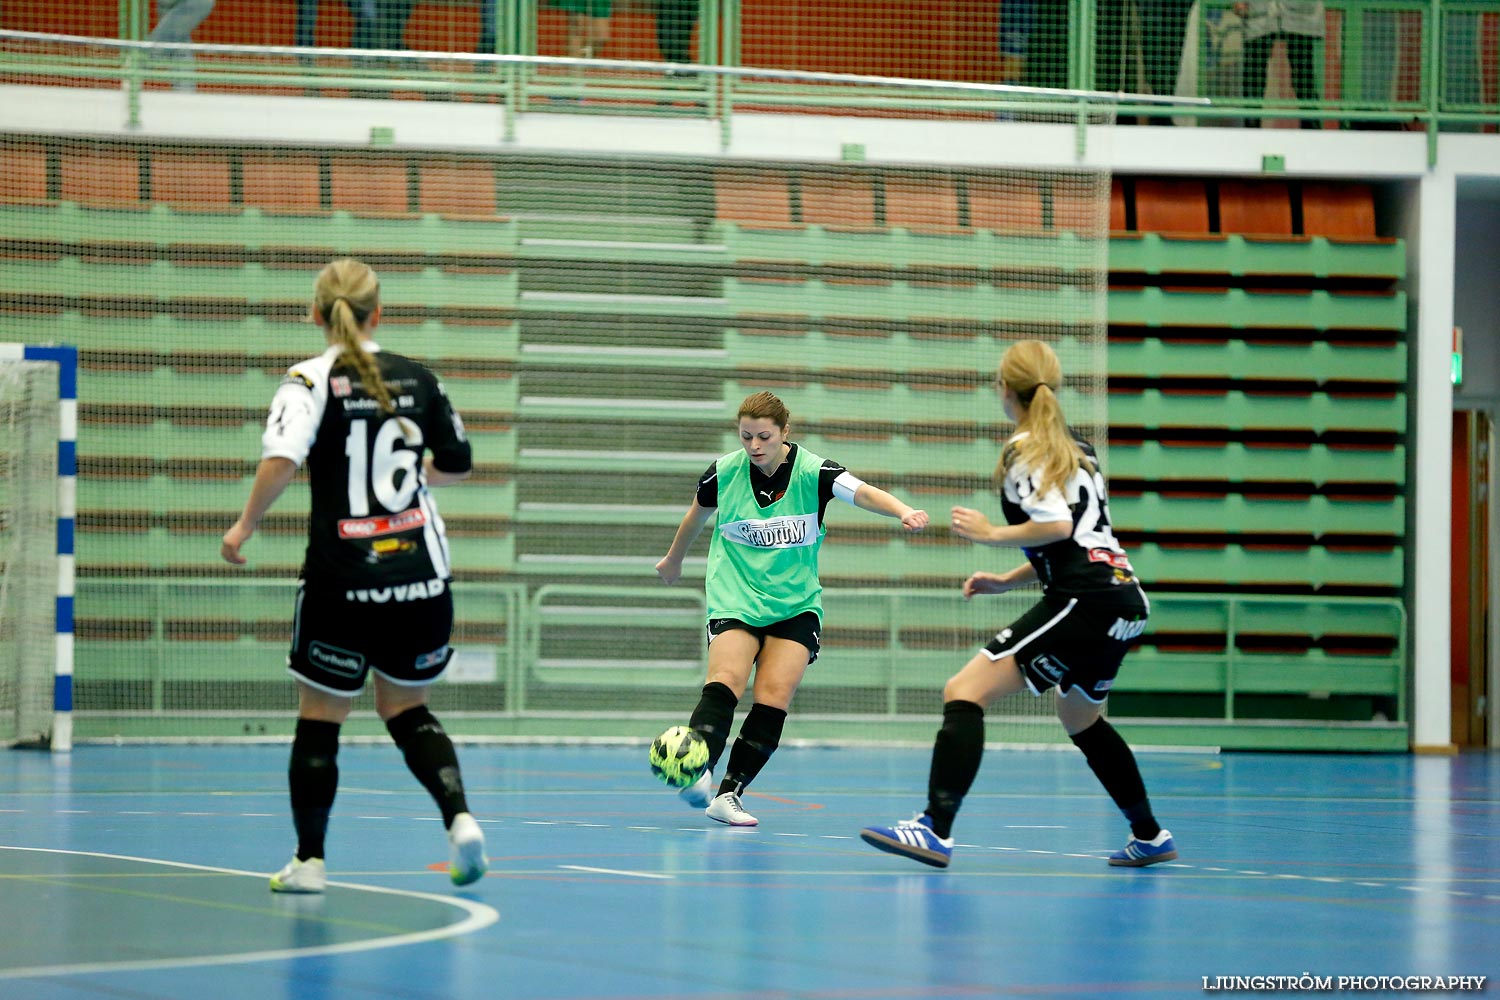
{"type": "Point", "coordinates": [984, 583]}
{"type": "Point", "coordinates": [229, 547]}
{"type": "Point", "coordinates": [669, 569]}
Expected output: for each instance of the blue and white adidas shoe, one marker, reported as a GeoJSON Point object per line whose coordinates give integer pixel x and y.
{"type": "Point", "coordinates": [912, 838]}
{"type": "Point", "coordinates": [1140, 853]}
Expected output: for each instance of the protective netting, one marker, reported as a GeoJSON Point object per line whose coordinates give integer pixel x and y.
{"type": "Point", "coordinates": [28, 548]}
{"type": "Point", "coordinates": [1356, 55]}
{"type": "Point", "coordinates": [597, 318]}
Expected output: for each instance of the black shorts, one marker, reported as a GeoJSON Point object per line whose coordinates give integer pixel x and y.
{"type": "Point", "coordinates": [337, 639]}
{"type": "Point", "coordinates": [803, 628]}
{"type": "Point", "coordinates": [1071, 644]}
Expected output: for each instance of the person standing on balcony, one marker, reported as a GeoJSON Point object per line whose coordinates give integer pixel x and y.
{"type": "Point", "coordinates": [375, 594]}
{"type": "Point", "coordinates": [675, 21]}
{"type": "Point", "coordinates": [1092, 608]}
{"type": "Point", "coordinates": [176, 22]}
{"type": "Point", "coordinates": [588, 26]}
{"type": "Point", "coordinates": [767, 500]}
{"type": "Point", "coordinates": [1299, 24]}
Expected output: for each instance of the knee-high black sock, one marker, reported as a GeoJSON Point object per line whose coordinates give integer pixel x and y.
{"type": "Point", "coordinates": [429, 754]}
{"type": "Point", "coordinates": [713, 717]}
{"type": "Point", "coordinates": [1114, 765]}
{"type": "Point", "coordinates": [955, 762]}
{"type": "Point", "coordinates": [760, 735]}
{"type": "Point", "coordinates": [313, 777]}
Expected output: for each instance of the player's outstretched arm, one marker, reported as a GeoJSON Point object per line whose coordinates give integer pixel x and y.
{"type": "Point", "coordinates": [878, 501]}
{"type": "Point", "coordinates": [669, 567]}
{"type": "Point", "coordinates": [982, 582]}
{"type": "Point", "coordinates": [971, 524]}
{"type": "Point", "coordinates": [271, 478]}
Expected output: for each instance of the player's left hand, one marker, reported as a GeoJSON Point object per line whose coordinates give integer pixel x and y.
{"type": "Point", "coordinates": [914, 520]}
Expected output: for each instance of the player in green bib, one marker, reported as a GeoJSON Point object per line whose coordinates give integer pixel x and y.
{"type": "Point", "coordinates": [764, 609]}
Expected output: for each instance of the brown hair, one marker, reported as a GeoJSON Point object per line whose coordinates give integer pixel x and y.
{"type": "Point", "coordinates": [764, 404]}
{"type": "Point", "coordinates": [1031, 370]}
{"type": "Point", "coordinates": [346, 295]}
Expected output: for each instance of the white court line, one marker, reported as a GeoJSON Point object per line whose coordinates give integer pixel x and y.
{"type": "Point", "coordinates": [614, 871]}
{"type": "Point", "coordinates": [479, 917]}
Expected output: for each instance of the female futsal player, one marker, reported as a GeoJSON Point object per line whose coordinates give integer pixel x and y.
{"type": "Point", "coordinates": [764, 608]}
{"type": "Point", "coordinates": [376, 431]}
{"type": "Point", "coordinates": [1074, 638]}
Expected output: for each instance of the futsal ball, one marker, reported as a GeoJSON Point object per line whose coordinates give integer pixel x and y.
{"type": "Point", "coordinates": [679, 756]}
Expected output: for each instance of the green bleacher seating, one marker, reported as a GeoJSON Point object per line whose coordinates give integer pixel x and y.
{"type": "Point", "coordinates": [1258, 432]}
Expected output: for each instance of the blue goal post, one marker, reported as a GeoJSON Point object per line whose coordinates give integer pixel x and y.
{"type": "Point", "coordinates": [66, 359]}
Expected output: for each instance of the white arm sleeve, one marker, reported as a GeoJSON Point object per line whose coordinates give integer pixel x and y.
{"type": "Point", "coordinates": [846, 485]}
{"type": "Point", "coordinates": [296, 412]}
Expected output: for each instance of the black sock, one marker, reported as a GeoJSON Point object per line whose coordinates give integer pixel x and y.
{"type": "Point", "coordinates": [759, 737]}
{"type": "Point", "coordinates": [955, 763]}
{"type": "Point", "coordinates": [713, 717]}
{"type": "Point", "coordinates": [429, 754]}
{"type": "Point", "coordinates": [1114, 765]}
{"type": "Point", "coordinates": [313, 777]}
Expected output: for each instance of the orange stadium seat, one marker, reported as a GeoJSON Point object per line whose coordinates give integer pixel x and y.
{"type": "Point", "coordinates": [1339, 210]}
{"type": "Point", "coordinates": [1005, 206]}
{"type": "Point", "coordinates": [282, 183]}
{"type": "Point", "coordinates": [1255, 208]}
{"type": "Point", "coordinates": [369, 184]}
{"type": "Point", "coordinates": [191, 180]}
{"type": "Point", "coordinates": [839, 199]}
{"type": "Point", "coordinates": [23, 172]}
{"type": "Point", "coordinates": [1171, 206]}
{"type": "Point", "coordinates": [450, 188]}
{"type": "Point", "coordinates": [921, 202]}
{"type": "Point", "coordinates": [753, 197]}
{"type": "Point", "coordinates": [101, 175]}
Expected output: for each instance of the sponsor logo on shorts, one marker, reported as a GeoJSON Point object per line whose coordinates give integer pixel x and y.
{"type": "Point", "coordinates": [419, 591]}
{"type": "Point", "coordinates": [437, 658]}
{"type": "Point", "coordinates": [335, 660]}
{"type": "Point", "coordinates": [1125, 631]}
{"type": "Point", "coordinates": [1116, 559]}
{"type": "Point", "coordinates": [1048, 667]}
{"type": "Point", "coordinates": [374, 527]}
{"type": "Point", "coordinates": [1100, 687]}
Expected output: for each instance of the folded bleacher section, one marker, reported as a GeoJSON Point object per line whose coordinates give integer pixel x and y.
{"type": "Point", "coordinates": [597, 321]}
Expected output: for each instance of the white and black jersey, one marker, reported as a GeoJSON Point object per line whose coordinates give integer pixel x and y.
{"type": "Point", "coordinates": [373, 522]}
{"type": "Point", "coordinates": [1089, 563]}
{"type": "Point", "coordinates": [833, 481]}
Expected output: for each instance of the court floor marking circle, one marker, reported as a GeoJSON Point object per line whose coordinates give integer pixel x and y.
{"type": "Point", "coordinates": [478, 917]}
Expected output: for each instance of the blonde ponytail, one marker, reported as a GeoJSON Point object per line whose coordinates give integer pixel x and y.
{"type": "Point", "coordinates": [346, 295]}
{"type": "Point", "coordinates": [1030, 369]}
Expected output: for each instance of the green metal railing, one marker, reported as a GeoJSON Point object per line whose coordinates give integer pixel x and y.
{"type": "Point", "coordinates": [539, 623]}
{"type": "Point", "coordinates": [1451, 84]}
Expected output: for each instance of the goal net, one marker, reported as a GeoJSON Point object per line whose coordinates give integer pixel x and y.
{"type": "Point", "coordinates": [597, 312]}
{"type": "Point", "coordinates": [28, 548]}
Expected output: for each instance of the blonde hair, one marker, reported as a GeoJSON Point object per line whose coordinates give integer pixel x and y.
{"type": "Point", "coordinates": [760, 405]}
{"type": "Point", "coordinates": [345, 296]}
{"type": "Point", "coordinates": [1030, 369]}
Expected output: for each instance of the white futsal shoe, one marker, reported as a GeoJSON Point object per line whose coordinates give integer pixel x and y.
{"type": "Point", "coordinates": [700, 793]}
{"type": "Point", "coordinates": [727, 809]}
{"type": "Point", "coordinates": [466, 860]}
{"type": "Point", "coordinates": [301, 876]}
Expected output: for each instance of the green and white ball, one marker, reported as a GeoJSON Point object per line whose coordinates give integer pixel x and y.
{"type": "Point", "coordinates": [679, 756]}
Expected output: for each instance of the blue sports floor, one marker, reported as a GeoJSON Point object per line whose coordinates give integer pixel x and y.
{"type": "Point", "coordinates": [140, 872]}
